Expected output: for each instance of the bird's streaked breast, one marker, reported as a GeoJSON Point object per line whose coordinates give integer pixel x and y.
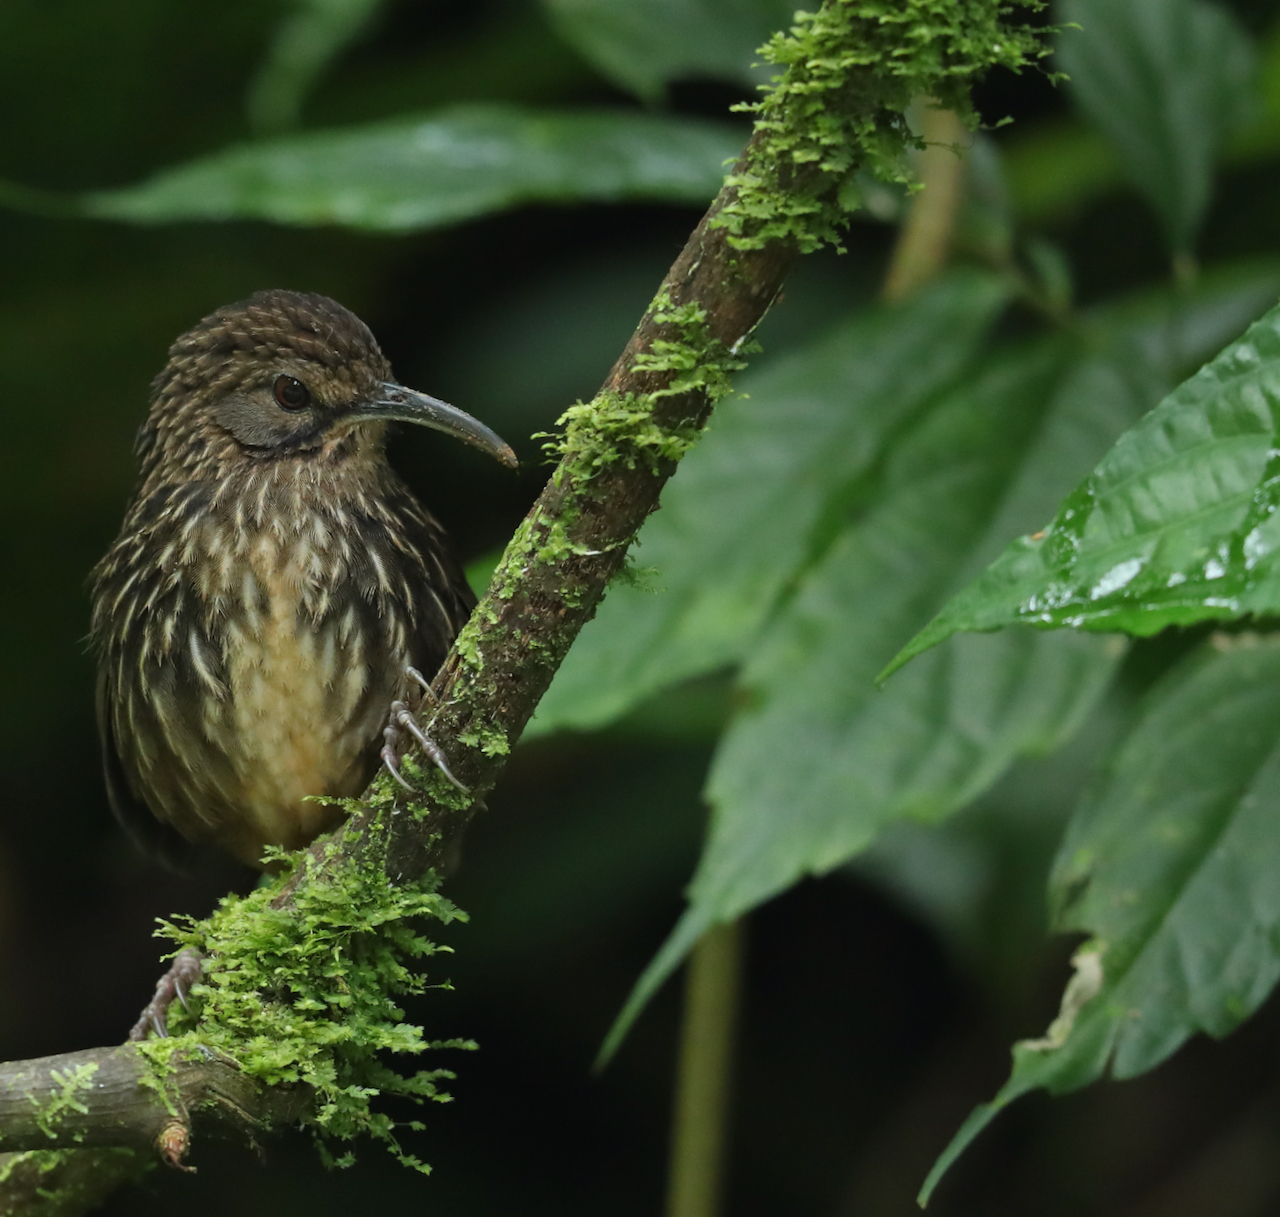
{"type": "Point", "coordinates": [257, 665]}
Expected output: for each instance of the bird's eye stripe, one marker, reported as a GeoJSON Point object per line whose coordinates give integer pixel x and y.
{"type": "Point", "coordinates": [291, 393]}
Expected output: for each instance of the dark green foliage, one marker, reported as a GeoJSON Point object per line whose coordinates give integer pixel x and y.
{"type": "Point", "coordinates": [305, 43]}
{"type": "Point", "coordinates": [888, 517]}
{"type": "Point", "coordinates": [877, 460]}
{"type": "Point", "coordinates": [1166, 864]}
{"type": "Point", "coordinates": [1168, 82]}
{"type": "Point", "coordinates": [1169, 867]}
{"type": "Point", "coordinates": [1173, 526]}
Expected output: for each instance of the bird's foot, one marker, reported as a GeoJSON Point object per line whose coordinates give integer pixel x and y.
{"type": "Point", "coordinates": [186, 969]}
{"type": "Point", "coordinates": [403, 718]}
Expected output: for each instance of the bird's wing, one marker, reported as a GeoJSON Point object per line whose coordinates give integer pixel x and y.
{"type": "Point", "coordinates": [445, 599]}
{"type": "Point", "coordinates": [437, 600]}
{"type": "Point", "coordinates": [155, 838]}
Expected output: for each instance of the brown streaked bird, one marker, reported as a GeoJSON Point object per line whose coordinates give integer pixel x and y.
{"type": "Point", "coordinates": [276, 590]}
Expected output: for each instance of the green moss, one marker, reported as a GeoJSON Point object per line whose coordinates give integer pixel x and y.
{"type": "Point", "coordinates": [537, 542]}
{"type": "Point", "coordinates": [851, 71]}
{"type": "Point", "coordinates": [160, 1055]}
{"type": "Point", "coordinates": [697, 358]}
{"type": "Point", "coordinates": [620, 428]}
{"type": "Point", "coordinates": [467, 646]}
{"type": "Point", "coordinates": [492, 741]}
{"type": "Point", "coordinates": [642, 578]}
{"type": "Point", "coordinates": [54, 1109]}
{"type": "Point", "coordinates": [307, 994]}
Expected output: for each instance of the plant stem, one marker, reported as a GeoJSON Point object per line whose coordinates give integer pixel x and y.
{"type": "Point", "coordinates": [924, 240]}
{"type": "Point", "coordinates": [703, 1079]}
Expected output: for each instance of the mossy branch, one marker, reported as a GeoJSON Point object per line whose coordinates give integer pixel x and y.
{"type": "Point", "coordinates": [295, 1029]}
{"type": "Point", "coordinates": [116, 1097]}
{"type": "Point", "coordinates": [79, 1124]}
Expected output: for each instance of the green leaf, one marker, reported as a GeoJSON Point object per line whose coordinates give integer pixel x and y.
{"type": "Point", "coordinates": [643, 47]}
{"type": "Point", "coordinates": [821, 761]}
{"type": "Point", "coordinates": [454, 165]}
{"type": "Point", "coordinates": [1167, 81]}
{"type": "Point", "coordinates": [304, 45]}
{"type": "Point", "coordinates": [742, 517]}
{"type": "Point", "coordinates": [1170, 868]}
{"type": "Point", "coordinates": [843, 758]}
{"type": "Point", "coordinates": [1176, 524]}
{"type": "Point", "coordinates": [804, 779]}
{"type": "Point", "coordinates": [978, 879]}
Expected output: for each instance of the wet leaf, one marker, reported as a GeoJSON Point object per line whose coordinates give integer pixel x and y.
{"type": "Point", "coordinates": [1176, 524]}
{"type": "Point", "coordinates": [454, 165]}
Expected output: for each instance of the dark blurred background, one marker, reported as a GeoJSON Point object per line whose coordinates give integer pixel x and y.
{"type": "Point", "coordinates": [868, 1032]}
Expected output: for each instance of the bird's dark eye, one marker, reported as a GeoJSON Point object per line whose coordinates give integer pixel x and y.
{"type": "Point", "coordinates": [292, 394]}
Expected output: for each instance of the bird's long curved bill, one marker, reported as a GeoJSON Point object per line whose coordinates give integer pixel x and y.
{"type": "Point", "coordinates": [398, 404]}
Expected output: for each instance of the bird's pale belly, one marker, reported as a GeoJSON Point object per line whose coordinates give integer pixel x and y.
{"type": "Point", "coordinates": [303, 721]}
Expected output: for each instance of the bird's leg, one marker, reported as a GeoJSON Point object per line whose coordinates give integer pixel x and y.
{"type": "Point", "coordinates": [402, 717]}
{"type": "Point", "coordinates": [186, 969]}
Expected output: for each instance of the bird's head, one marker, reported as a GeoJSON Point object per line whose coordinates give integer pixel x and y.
{"type": "Point", "coordinates": [286, 375]}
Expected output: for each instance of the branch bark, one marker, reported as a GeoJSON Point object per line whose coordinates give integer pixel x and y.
{"type": "Point", "coordinates": [108, 1097]}
{"type": "Point", "coordinates": [80, 1124]}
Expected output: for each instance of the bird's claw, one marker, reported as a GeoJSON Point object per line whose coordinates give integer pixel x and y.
{"type": "Point", "coordinates": [186, 969]}
{"type": "Point", "coordinates": [403, 717]}
{"type": "Point", "coordinates": [391, 756]}
{"type": "Point", "coordinates": [428, 693]}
